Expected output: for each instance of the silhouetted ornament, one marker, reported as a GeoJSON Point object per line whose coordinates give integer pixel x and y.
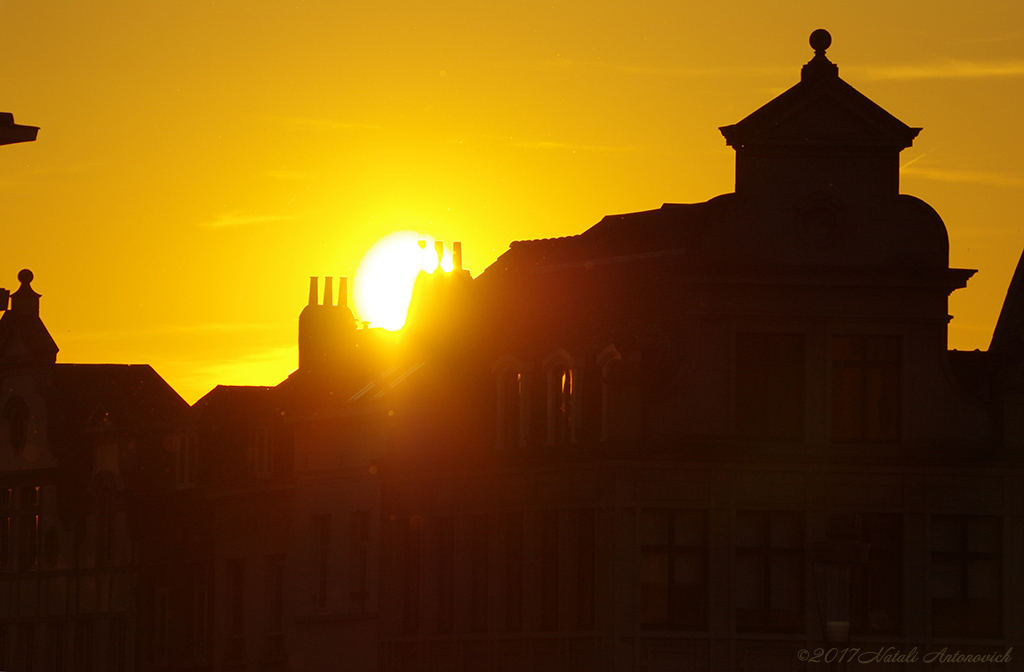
{"type": "Point", "coordinates": [820, 41]}
{"type": "Point", "coordinates": [819, 67]}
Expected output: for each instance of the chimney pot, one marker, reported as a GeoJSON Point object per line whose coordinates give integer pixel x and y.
{"type": "Point", "coordinates": [439, 251]}
{"type": "Point", "coordinates": [328, 291]}
{"type": "Point", "coordinates": [343, 292]}
{"type": "Point", "coordinates": [312, 291]}
{"type": "Point", "coordinates": [457, 255]}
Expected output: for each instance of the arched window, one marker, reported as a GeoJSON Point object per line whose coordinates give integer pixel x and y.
{"type": "Point", "coordinates": [511, 408]}
{"type": "Point", "coordinates": [563, 399]}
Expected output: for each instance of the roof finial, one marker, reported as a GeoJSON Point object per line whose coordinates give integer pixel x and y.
{"type": "Point", "coordinates": [820, 41]}
{"type": "Point", "coordinates": [819, 67]}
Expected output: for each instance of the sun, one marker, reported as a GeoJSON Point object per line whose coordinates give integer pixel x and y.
{"type": "Point", "coordinates": [383, 284]}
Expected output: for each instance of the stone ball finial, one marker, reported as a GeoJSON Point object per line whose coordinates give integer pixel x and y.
{"type": "Point", "coordinates": [820, 41]}
{"type": "Point", "coordinates": [25, 276]}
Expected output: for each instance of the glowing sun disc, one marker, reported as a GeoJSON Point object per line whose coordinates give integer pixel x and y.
{"type": "Point", "coordinates": [383, 284]}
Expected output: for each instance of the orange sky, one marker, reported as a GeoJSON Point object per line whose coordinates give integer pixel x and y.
{"type": "Point", "coordinates": [198, 161]}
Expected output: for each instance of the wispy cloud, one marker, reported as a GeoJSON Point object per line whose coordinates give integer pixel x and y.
{"type": "Point", "coordinates": [659, 71]}
{"type": "Point", "coordinates": [204, 328]}
{"type": "Point", "coordinates": [326, 124]}
{"type": "Point", "coordinates": [550, 144]}
{"type": "Point", "coordinates": [239, 219]}
{"type": "Point", "coordinates": [950, 69]}
{"type": "Point", "coordinates": [963, 176]}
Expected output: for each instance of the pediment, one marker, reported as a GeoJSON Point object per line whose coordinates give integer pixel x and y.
{"type": "Point", "coordinates": [821, 112]}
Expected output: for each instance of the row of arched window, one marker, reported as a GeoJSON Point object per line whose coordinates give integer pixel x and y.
{"type": "Point", "coordinates": [565, 400]}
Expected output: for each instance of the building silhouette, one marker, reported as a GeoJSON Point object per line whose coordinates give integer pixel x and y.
{"type": "Point", "coordinates": [711, 436]}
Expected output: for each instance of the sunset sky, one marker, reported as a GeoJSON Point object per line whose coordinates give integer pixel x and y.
{"type": "Point", "coordinates": [199, 160]}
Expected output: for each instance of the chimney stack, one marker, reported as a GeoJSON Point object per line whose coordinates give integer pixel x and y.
{"type": "Point", "coordinates": [312, 291]}
{"type": "Point", "coordinates": [343, 292]}
{"type": "Point", "coordinates": [328, 289]}
{"type": "Point", "coordinates": [439, 251]}
{"type": "Point", "coordinates": [457, 255]}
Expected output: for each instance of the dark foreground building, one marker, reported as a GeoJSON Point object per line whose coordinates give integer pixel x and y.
{"type": "Point", "coordinates": [713, 436]}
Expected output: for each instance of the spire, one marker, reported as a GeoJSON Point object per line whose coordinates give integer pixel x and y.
{"type": "Point", "coordinates": [819, 66]}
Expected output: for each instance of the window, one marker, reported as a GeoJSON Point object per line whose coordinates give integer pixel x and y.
{"type": "Point", "coordinates": [199, 612]}
{"type": "Point", "coordinates": [966, 576]}
{"type": "Point", "coordinates": [83, 646]}
{"type": "Point", "coordinates": [770, 373]}
{"type": "Point", "coordinates": [273, 585]}
{"type": "Point", "coordinates": [561, 408]}
{"type": "Point", "coordinates": [769, 570]}
{"type": "Point", "coordinates": [55, 647]}
{"type": "Point", "coordinates": [877, 587]}
{"type": "Point", "coordinates": [445, 537]}
{"type": "Point", "coordinates": [186, 460]}
{"type": "Point", "coordinates": [510, 409]}
{"type": "Point", "coordinates": [30, 541]}
{"type": "Point", "coordinates": [259, 452]}
{"type": "Point", "coordinates": [321, 525]}
{"type": "Point", "coordinates": [16, 415]}
{"type": "Point", "coordinates": [513, 522]}
{"type": "Point", "coordinates": [409, 548]}
{"type": "Point", "coordinates": [105, 527]}
{"type": "Point", "coordinates": [586, 567]}
{"type": "Point", "coordinates": [866, 393]}
{"type": "Point", "coordinates": [479, 532]}
{"type": "Point", "coordinates": [549, 541]}
{"type": "Point", "coordinates": [673, 569]}
{"type": "Point", "coordinates": [360, 543]}
{"type": "Point", "coordinates": [235, 570]}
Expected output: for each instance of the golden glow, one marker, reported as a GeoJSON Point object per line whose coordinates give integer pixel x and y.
{"type": "Point", "coordinates": [384, 282]}
{"type": "Point", "coordinates": [195, 157]}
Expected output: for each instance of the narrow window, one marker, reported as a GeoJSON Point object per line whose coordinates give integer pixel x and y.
{"type": "Point", "coordinates": [514, 571]}
{"type": "Point", "coordinates": [877, 587]}
{"type": "Point", "coordinates": [83, 646]}
{"type": "Point", "coordinates": [235, 570]}
{"type": "Point", "coordinates": [274, 606]}
{"type": "Point", "coordinates": [321, 524]}
{"type": "Point", "coordinates": [510, 394]}
{"type": "Point", "coordinates": [549, 541]}
{"type": "Point", "coordinates": [259, 452]}
{"type": "Point", "coordinates": [673, 584]}
{"type": "Point", "coordinates": [5, 542]}
{"type": "Point", "coordinates": [561, 405]}
{"type": "Point", "coordinates": [445, 535]}
{"type": "Point", "coordinates": [410, 562]}
{"type": "Point", "coordinates": [586, 568]}
{"type": "Point", "coordinates": [30, 541]}
{"type": "Point", "coordinates": [770, 373]}
{"type": "Point", "coordinates": [360, 543]}
{"type": "Point", "coordinates": [966, 576]}
{"type": "Point", "coordinates": [55, 646]}
{"type": "Point", "coordinates": [16, 415]}
{"type": "Point", "coordinates": [769, 570]}
{"type": "Point", "coordinates": [866, 391]}
{"type": "Point", "coordinates": [479, 538]}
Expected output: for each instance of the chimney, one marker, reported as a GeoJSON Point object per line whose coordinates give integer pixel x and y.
{"type": "Point", "coordinates": [312, 291]}
{"type": "Point", "coordinates": [439, 251]}
{"type": "Point", "coordinates": [328, 289]}
{"type": "Point", "coordinates": [457, 255]}
{"type": "Point", "coordinates": [343, 292]}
